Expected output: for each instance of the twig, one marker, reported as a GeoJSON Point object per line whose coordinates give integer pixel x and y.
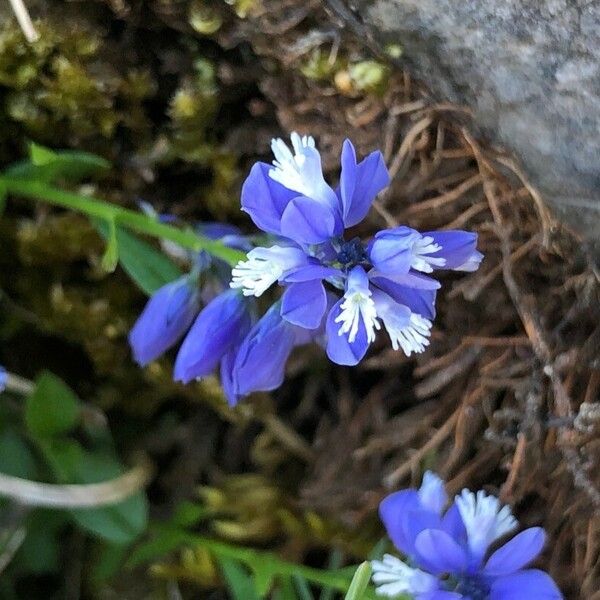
{"type": "Point", "coordinates": [22, 14]}
{"type": "Point", "coordinates": [33, 493]}
{"type": "Point", "coordinates": [436, 440]}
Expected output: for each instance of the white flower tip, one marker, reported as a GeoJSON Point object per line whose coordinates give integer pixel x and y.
{"type": "Point", "coordinates": [485, 519]}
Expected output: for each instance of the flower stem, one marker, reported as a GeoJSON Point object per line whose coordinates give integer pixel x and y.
{"type": "Point", "coordinates": [124, 217]}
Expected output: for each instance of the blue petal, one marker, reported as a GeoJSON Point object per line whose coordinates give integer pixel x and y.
{"type": "Point", "coordinates": [419, 301]}
{"type": "Point", "coordinates": [309, 273]}
{"type": "Point", "coordinates": [217, 231]}
{"type": "Point", "coordinates": [165, 318]}
{"type": "Point", "coordinates": [264, 199]}
{"type": "Point", "coordinates": [260, 361]}
{"type": "Point", "coordinates": [309, 221]}
{"type": "Point", "coordinates": [457, 246]}
{"type": "Point", "coordinates": [525, 585]}
{"type": "Point", "coordinates": [227, 379]}
{"type": "Point", "coordinates": [390, 250]}
{"type": "Point", "coordinates": [516, 553]}
{"type": "Point", "coordinates": [222, 324]}
{"type": "Point", "coordinates": [411, 279]}
{"type": "Point", "coordinates": [414, 523]}
{"type": "Point", "coordinates": [453, 525]}
{"type": "Point", "coordinates": [339, 349]}
{"type": "Point", "coordinates": [304, 304]}
{"type": "Point", "coordinates": [360, 183]}
{"type": "Point", "coordinates": [3, 378]}
{"type": "Point", "coordinates": [393, 511]}
{"type": "Point", "coordinates": [440, 551]}
{"type": "Point", "coordinates": [439, 595]}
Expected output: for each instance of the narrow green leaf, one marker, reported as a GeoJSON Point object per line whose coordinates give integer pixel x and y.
{"type": "Point", "coordinates": [302, 587]}
{"type": "Point", "coordinates": [147, 267]}
{"type": "Point", "coordinates": [336, 558]}
{"type": "Point", "coordinates": [111, 254]}
{"type": "Point", "coordinates": [49, 165]}
{"type": "Point", "coordinates": [52, 408]}
{"type": "Point", "coordinates": [239, 581]}
{"type": "Point", "coordinates": [40, 155]}
{"type": "Point", "coordinates": [359, 582]}
{"type": "Point", "coordinates": [264, 571]}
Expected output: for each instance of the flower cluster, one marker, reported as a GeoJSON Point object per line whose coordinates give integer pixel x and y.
{"type": "Point", "coordinates": [453, 553]}
{"type": "Point", "coordinates": [337, 290]}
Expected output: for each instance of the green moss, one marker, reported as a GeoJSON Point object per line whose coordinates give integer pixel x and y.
{"type": "Point", "coordinates": [58, 91]}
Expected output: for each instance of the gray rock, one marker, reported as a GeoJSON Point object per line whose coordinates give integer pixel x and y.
{"type": "Point", "coordinates": [529, 69]}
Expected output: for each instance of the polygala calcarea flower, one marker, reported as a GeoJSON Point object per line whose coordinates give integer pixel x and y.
{"type": "Point", "coordinates": [338, 291]}
{"type": "Point", "coordinates": [454, 552]}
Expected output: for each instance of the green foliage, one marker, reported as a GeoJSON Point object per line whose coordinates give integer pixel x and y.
{"type": "Point", "coordinates": [40, 189]}
{"type": "Point", "coordinates": [47, 165]}
{"type": "Point", "coordinates": [238, 580]}
{"type": "Point", "coordinates": [67, 452]}
{"type": "Point", "coordinates": [118, 523]}
{"type": "Point", "coordinates": [147, 267]}
{"type": "Point", "coordinates": [52, 408]}
{"type": "Point", "coordinates": [245, 568]}
{"type": "Point", "coordinates": [360, 582]}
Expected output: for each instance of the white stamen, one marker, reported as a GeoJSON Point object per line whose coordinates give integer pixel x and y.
{"type": "Point", "coordinates": [301, 171]}
{"type": "Point", "coordinates": [485, 519]}
{"type": "Point", "coordinates": [423, 246]}
{"type": "Point", "coordinates": [358, 305]}
{"type": "Point", "coordinates": [413, 337]}
{"type": "Point", "coordinates": [392, 577]}
{"type": "Point", "coordinates": [263, 268]}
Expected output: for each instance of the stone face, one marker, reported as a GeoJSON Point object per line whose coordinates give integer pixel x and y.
{"type": "Point", "coordinates": [529, 69]}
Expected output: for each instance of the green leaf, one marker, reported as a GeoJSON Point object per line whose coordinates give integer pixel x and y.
{"type": "Point", "coordinates": [149, 268]}
{"type": "Point", "coordinates": [359, 583]}
{"type": "Point", "coordinates": [118, 523]}
{"type": "Point", "coordinates": [40, 552]}
{"type": "Point", "coordinates": [108, 561]}
{"type": "Point", "coordinates": [49, 165]}
{"type": "Point", "coordinates": [52, 408]}
{"type": "Point", "coordinates": [111, 254]}
{"type": "Point", "coordinates": [264, 572]}
{"type": "Point", "coordinates": [40, 155]}
{"type": "Point", "coordinates": [239, 581]}
{"type": "Point", "coordinates": [16, 458]}
{"type": "Point", "coordinates": [189, 514]}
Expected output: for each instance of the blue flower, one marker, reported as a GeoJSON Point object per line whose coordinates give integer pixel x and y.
{"type": "Point", "coordinates": [449, 554]}
{"type": "Point", "coordinates": [259, 362]}
{"type": "Point", "coordinates": [3, 378]}
{"type": "Point", "coordinates": [381, 285]}
{"type": "Point", "coordinates": [173, 308]}
{"type": "Point", "coordinates": [220, 326]}
{"type": "Point", "coordinates": [165, 319]}
{"type": "Point", "coordinates": [338, 291]}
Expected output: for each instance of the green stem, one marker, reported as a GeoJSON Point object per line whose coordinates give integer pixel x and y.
{"type": "Point", "coordinates": [38, 190]}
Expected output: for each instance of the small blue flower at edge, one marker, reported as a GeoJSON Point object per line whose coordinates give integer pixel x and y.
{"type": "Point", "coordinates": [448, 550]}
{"type": "Point", "coordinates": [3, 378]}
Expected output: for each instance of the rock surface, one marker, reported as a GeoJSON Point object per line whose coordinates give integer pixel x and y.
{"type": "Point", "coordinates": [529, 69]}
